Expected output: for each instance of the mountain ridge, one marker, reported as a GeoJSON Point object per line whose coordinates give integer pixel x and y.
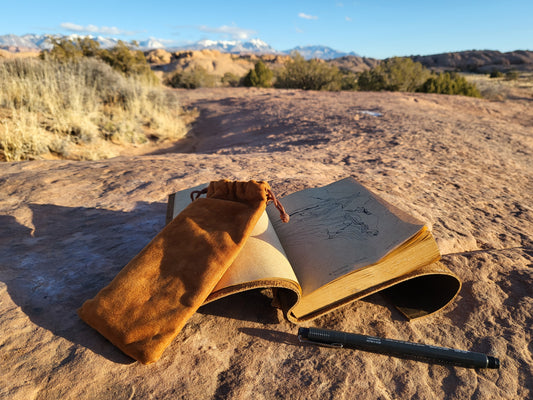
{"type": "Point", "coordinates": [483, 61]}
{"type": "Point", "coordinates": [36, 42]}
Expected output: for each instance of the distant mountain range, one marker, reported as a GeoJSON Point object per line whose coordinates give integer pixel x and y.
{"type": "Point", "coordinates": [323, 52]}
{"type": "Point", "coordinates": [473, 60]}
{"type": "Point", "coordinates": [254, 46]}
{"type": "Point", "coordinates": [39, 42]}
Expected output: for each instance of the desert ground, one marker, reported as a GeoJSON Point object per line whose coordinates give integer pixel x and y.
{"type": "Point", "coordinates": [462, 165]}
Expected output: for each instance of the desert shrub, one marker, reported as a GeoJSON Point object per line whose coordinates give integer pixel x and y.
{"type": "Point", "coordinates": [449, 83]}
{"type": "Point", "coordinates": [63, 49]}
{"type": "Point", "coordinates": [230, 79]}
{"type": "Point", "coordinates": [89, 47]}
{"type": "Point", "coordinates": [299, 73]}
{"type": "Point", "coordinates": [193, 78]}
{"type": "Point", "coordinates": [349, 80]}
{"type": "Point", "coordinates": [76, 110]}
{"type": "Point", "coordinates": [121, 57]}
{"type": "Point", "coordinates": [259, 76]}
{"type": "Point", "coordinates": [512, 76]}
{"type": "Point", "coordinates": [128, 61]}
{"type": "Point", "coordinates": [371, 80]}
{"type": "Point", "coordinates": [496, 74]}
{"type": "Point", "coordinates": [394, 74]}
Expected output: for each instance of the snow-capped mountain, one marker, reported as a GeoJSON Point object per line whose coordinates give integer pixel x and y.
{"type": "Point", "coordinates": [151, 43]}
{"type": "Point", "coordinates": [26, 42]}
{"type": "Point", "coordinates": [40, 42]}
{"type": "Point", "coordinates": [323, 52]}
{"type": "Point", "coordinates": [232, 46]}
{"type": "Point", "coordinates": [254, 46]}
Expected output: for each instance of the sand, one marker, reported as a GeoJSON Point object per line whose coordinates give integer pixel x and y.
{"type": "Point", "coordinates": [462, 165]}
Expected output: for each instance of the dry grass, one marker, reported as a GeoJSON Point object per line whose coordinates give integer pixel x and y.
{"type": "Point", "coordinates": [83, 110]}
{"type": "Point", "coordinates": [23, 54]}
{"type": "Point", "coordinates": [503, 89]}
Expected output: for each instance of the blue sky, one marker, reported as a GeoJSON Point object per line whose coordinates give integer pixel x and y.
{"type": "Point", "coordinates": [371, 28]}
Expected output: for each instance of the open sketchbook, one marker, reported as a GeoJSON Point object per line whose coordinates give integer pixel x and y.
{"type": "Point", "coordinates": [342, 243]}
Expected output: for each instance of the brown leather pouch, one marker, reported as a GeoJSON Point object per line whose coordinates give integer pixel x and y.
{"type": "Point", "coordinates": [152, 297]}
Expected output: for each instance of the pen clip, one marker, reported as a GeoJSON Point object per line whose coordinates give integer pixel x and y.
{"type": "Point", "coordinates": [334, 345]}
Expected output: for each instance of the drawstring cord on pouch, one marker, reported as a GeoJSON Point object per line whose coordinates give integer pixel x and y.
{"type": "Point", "coordinates": [270, 197]}
{"type": "Point", "coordinates": [197, 193]}
{"type": "Point", "coordinates": [282, 213]}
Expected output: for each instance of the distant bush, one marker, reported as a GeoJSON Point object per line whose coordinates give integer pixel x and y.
{"type": "Point", "coordinates": [259, 76]}
{"type": "Point", "coordinates": [512, 76]}
{"type": "Point", "coordinates": [65, 49]}
{"type": "Point", "coordinates": [79, 110]}
{"type": "Point", "coordinates": [230, 79]}
{"type": "Point", "coordinates": [349, 80]}
{"type": "Point", "coordinates": [299, 73]}
{"type": "Point", "coordinates": [496, 74]}
{"type": "Point", "coordinates": [394, 74]}
{"type": "Point", "coordinates": [371, 80]}
{"type": "Point", "coordinates": [128, 61]}
{"type": "Point", "coordinates": [193, 78]}
{"type": "Point", "coordinates": [121, 57]}
{"type": "Point", "coordinates": [449, 83]}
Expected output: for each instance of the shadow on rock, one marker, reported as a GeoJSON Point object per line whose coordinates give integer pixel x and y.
{"type": "Point", "coordinates": [253, 305]}
{"type": "Point", "coordinates": [272, 336]}
{"type": "Point", "coordinates": [72, 253]}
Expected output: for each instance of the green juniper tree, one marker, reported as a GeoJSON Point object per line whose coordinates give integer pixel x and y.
{"type": "Point", "coordinates": [259, 76]}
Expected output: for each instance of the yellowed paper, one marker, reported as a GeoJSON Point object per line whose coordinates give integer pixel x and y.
{"type": "Point", "coordinates": [337, 229]}
{"type": "Point", "coordinates": [262, 257]}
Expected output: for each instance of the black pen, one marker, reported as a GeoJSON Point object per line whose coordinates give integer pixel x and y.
{"type": "Point", "coordinates": [398, 348]}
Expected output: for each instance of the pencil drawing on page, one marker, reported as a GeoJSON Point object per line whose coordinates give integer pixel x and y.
{"type": "Point", "coordinates": [332, 217]}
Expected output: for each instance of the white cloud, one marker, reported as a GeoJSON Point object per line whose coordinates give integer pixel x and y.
{"type": "Point", "coordinates": [233, 32]}
{"type": "Point", "coordinates": [307, 16]}
{"type": "Point", "coordinates": [348, 19]}
{"type": "Point", "coordinates": [105, 30]}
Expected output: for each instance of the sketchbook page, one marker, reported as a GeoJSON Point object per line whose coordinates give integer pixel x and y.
{"type": "Point", "coordinates": [261, 258]}
{"type": "Point", "coordinates": [337, 229]}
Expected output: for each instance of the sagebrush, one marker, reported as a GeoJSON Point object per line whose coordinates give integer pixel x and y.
{"type": "Point", "coordinates": [79, 109]}
{"type": "Point", "coordinates": [449, 83]}
{"type": "Point", "coordinates": [405, 75]}
{"type": "Point", "coordinates": [193, 78]}
{"type": "Point", "coordinates": [394, 74]}
{"type": "Point", "coordinates": [314, 74]}
{"type": "Point", "coordinates": [122, 57]}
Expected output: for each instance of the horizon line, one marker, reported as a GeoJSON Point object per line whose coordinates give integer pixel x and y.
{"type": "Point", "coordinates": [183, 46]}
